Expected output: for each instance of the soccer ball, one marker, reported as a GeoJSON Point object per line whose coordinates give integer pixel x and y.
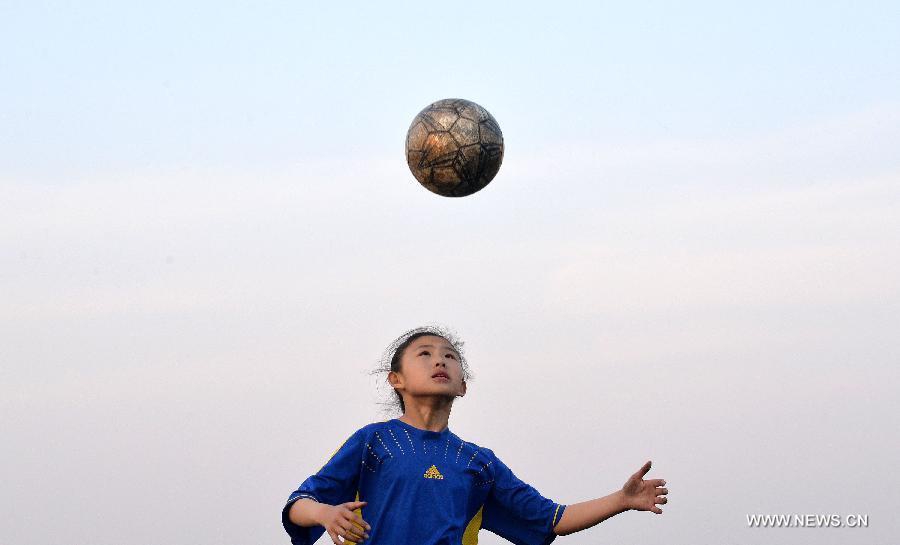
{"type": "Point", "coordinates": [454, 147]}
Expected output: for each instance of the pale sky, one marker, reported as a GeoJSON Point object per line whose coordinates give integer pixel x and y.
{"type": "Point", "coordinates": [208, 234]}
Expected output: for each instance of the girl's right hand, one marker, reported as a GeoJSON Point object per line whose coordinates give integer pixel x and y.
{"type": "Point", "coordinates": [340, 520]}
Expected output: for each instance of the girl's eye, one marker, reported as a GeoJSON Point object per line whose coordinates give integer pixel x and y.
{"type": "Point", "coordinates": [428, 352]}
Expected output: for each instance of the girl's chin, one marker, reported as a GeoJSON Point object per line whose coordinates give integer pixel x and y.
{"type": "Point", "coordinates": [442, 392]}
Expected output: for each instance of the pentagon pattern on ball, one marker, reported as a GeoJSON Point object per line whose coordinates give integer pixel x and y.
{"type": "Point", "coordinates": [454, 147]}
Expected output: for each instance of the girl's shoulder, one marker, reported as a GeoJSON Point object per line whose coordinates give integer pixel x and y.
{"type": "Point", "coordinates": [367, 430]}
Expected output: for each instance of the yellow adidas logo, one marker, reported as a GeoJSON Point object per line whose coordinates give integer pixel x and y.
{"type": "Point", "coordinates": [433, 473]}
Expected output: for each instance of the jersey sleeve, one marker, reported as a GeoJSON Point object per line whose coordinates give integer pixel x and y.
{"type": "Point", "coordinates": [517, 512]}
{"type": "Point", "coordinates": [335, 483]}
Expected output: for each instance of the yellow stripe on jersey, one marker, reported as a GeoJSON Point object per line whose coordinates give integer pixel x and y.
{"type": "Point", "coordinates": [554, 515]}
{"type": "Point", "coordinates": [470, 536]}
{"type": "Point", "coordinates": [358, 511]}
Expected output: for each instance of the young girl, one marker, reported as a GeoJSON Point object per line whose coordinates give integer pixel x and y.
{"type": "Point", "coordinates": [410, 480]}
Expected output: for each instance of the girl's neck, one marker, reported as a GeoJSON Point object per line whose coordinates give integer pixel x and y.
{"type": "Point", "coordinates": [427, 418]}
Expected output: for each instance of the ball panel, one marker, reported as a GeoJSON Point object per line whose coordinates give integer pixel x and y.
{"type": "Point", "coordinates": [415, 138]}
{"type": "Point", "coordinates": [446, 176]}
{"type": "Point", "coordinates": [439, 148]}
{"type": "Point", "coordinates": [469, 162]}
{"type": "Point", "coordinates": [414, 160]}
{"type": "Point", "coordinates": [490, 133]}
{"type": "Point", "coordinates": [465, 132]}
{"type": "Point", "coordinates": [442, 118]}
{"type": "Point", "coordinates": [473, 111]}
{"type": "Point", "coordinates": [491, 159]}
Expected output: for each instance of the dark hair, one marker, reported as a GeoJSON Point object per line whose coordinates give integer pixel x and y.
{"type": "Point", "coordinates": [393, 355]}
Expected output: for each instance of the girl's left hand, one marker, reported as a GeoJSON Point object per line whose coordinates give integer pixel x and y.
{"type": "Point", "coordinates": [644, 495]}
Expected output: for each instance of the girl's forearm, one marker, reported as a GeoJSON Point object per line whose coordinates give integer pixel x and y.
{"type": "Point", "coordinates": [306, 512]}
{"type": "Point", "coordinates": [579, 516]}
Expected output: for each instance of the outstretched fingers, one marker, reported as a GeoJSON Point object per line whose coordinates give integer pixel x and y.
{"type": "Point", "coordinates": [661, 499]}
{"type": "Point", "coordinates": [646, 495]}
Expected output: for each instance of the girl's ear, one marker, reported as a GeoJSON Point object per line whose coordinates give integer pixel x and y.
{"type": "Point", "coordinates": [463, 389]}
{"type": "Point", "coordinates": [395, 379]}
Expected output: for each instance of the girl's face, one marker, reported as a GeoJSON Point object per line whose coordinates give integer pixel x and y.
{"type": "Point", "coordinates": [429, 366]}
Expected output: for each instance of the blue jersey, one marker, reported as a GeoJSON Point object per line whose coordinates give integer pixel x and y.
{"type": "Point", "coordinates": [425, 488]}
